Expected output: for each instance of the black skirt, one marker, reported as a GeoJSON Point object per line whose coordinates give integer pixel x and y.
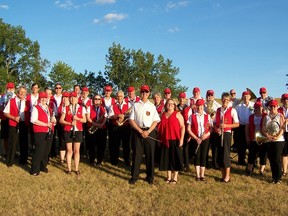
{"type": "Point", "coordinates": [171, 158]}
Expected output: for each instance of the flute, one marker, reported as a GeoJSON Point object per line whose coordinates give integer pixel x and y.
{"type": "Point", "coordinates": [74, 114]}
{"type": "Point", "coordinates": [50, 129]}
{"type": "Point", "coordinates": [222, 131]}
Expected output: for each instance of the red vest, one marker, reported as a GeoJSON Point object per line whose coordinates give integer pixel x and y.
{"type": "Point", "coordinates": [43, 117]}
{"type": "Point", "coordinates": [252, 125]}
{"type": "Point", "coordinates": [227, 118]}
{"type": "Point", "coordinates": [69, 118]}
{"type": "Point", "coordinates": [160, 108]}
{"type": "Point", "coordinates": [194, 124]}
{"type": "Point", "coordinates": [93, 115]}
{"type": "Point", "coordinates": [15, 112]}
{"type": "Point", "coordinates": [118, 111]}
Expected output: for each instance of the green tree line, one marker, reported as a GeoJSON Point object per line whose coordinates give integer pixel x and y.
{"type": "Point", "coordinates": [21, 62]}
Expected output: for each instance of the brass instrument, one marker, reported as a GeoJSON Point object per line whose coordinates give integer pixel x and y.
{"type": "Point", "coordinates": [272, 128]}
{"type": "Point", "coordinates": [120, 121]}
{"type": "Point", "coordinates": [94, 128]}
{"type": "Point", "coordinates": [209, 108]}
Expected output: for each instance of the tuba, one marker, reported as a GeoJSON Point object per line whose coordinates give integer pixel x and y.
{"type": "Point", "coordinates": [272, 128]}
{"type": "Point", "coordinates": [120, 121]}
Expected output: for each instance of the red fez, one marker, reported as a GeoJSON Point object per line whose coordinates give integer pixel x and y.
{"type": "Point", "coordinates": [73, 94]}
{"type": "Point", "coordinates": [245, 93]}
{"type": "Point", "coordinates": [65, 94]}
{"type": "Point", "coordinates": [10, 85]}
{"type": "Point", "coordinates": [263, 90]}
{"type": "Point", "coordinates": [108, 88]}
{"type": "Point", "coordinates": [167, 91]}
{"type": "Point", "coordinates": [200, 102]}
{"type": "Point", "coordinates": [43, 95]}
{"type": "Point", "coordinates": [182, 95]}
{"type": "Point", "coordinates": [131, 89]}
{"type": "Point", "coordinates": [144, 88]}
{"type": "Point", "coordinates": [257, 104]}
{"type": "Point", "coordinates": [196, 89]}
{"type": "Point", "coordinates": [210, 92]}
{"type": "Point", "coordinates": [85, 89]}
{"type": "Point", "coordinates": [284, 96]}
{"type": "Point", "coordinates": [273, 103]}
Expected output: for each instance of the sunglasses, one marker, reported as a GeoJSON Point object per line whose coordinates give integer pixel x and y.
{"type": "Point", "coordinates": [97, 98]}
{"type": "Point", "coordinates": [58, 88]}
{"type": "Point", "coordinates": [210, 95]}
{"type": "Point", "coordinates": [167, 93]}
{"type": "Point", "coordinates": [232, 93]}
{"type": "Point", "coordinates": [262, 92]}
{"type": "Point", "coordinates": [144, 91]}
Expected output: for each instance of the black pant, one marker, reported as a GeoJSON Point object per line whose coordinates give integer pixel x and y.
{"type": "Point", "coordinates": [14, 137]}
{"type": "Point", "coordinates": [41, 152]}
{"type": "Point", "coordinates": [214, 138]}
{"type": "Point", "coordinates": [120, 135]}
{"type": "Point", "coordinates": [97, 143]}
{"type": "Point", "coordinates": [58, 136]}
{"type": "Point", "coordinates": [201, 154]}
{"type": "Point", "coordinates": [223, 156]}
{"type": "Point", "coordinates": [275, 150]}
{"type": "Point", "coordinates": [240, 143]}
{"type": "Point", "coordinates": [257, 150]}
{"type": "Point", "coordinates": [142, 146]}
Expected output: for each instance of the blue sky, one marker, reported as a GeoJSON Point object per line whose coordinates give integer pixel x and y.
{"type": "Point", "coordinates": [217, 44]}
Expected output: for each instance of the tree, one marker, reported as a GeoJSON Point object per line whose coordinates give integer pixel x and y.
{"type": "Point", "coordinates": [64, 74]}
{"type": "Point", "coordinates": [125, 67]}
{"type": "Point", "coordinates": [20, 59]}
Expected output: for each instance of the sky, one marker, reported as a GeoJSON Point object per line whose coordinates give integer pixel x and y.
{"type": "Point", "coordinates": [216, 44]}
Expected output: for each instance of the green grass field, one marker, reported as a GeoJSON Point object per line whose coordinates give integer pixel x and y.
{"type": "Point", "coordinates": [104, 190]}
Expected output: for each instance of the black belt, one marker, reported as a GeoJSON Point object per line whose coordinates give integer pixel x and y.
{"type": "Point", "coordinates": [145, 128]}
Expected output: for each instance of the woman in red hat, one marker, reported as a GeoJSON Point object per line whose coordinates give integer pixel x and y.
{"type": "Point", "coordinates": [199, 127]}
{"type": "Point", "coordinates": [273, 129]}
{"type": "Point", "coordinates": [43, 120]}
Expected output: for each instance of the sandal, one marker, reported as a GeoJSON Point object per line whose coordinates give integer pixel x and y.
{"type": "Point", "coordinates": [198, 179]}
{"type": "Point", "coordinates": [77, 172]}
{"type": "Point", "coordinates": [202, 179]}
{"type": "Point", "coordinates": [173, 181]}
{"type": "Point", "coordinates": [168, 181]}
{"type": "Point", "coordinates": [68, 172]}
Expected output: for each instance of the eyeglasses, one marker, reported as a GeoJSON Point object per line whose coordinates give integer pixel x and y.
{"type": "Point", "coordinates": [97, 98]}
{"type": "Point", "coordinates": [233, 93]}
{"type": "Point", "coordinates": [58, 87]}
{"type": "Point", "coordinates": [145, 91]}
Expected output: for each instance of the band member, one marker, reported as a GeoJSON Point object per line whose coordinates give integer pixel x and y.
{"type": "Point", "coordinates": [196, 95]}
{"type": "Point", "coordinates": [244, 110]}
{"type": "Point", "coordinates": [97, 131]}
{"type": "Point", "coordinates": [132, 98]}
{"type": "Point", "coordinates": [167, 95]}
{"type": "Point", "coordinates": [210, 107]}
{"type": "Point", "coordinates": [171, 132]}
{"type": "Point", "coordinates": [233, 100]}
{"type": "Point", "coordinates": [143, 119]}
{"type": "Point", "coordinates": [254, 125]}
{"type": "Point", "coordinates": [264, 99]}
{"type": "Point", "coordinates": [10, 89]}
{"type": "Point", "coordinates": [43, 120]}
{"type": "Point", "coordinates": [182, 101]}
{"type": "Point", "coordinates": [159, 103]}
{"type": "Point", "coordinates": [60, 130]}
{"type": "Point", "coordinates": [77, 89]}
{"type": "Point", "coordinates": [85, 100]}
{"type": "Point", "coordinates": [199, 127]}
{"type": "Point", "coordinates": [225, 120]}
{"type": "Point", "coordinates": [284, 111]}
{"type": "Point", "coordinates": [33, 98]}
{"type": "Point", "coordinates": [17, 111]}
{"type": "Point", "coordinates": [73, 117]}
{"type": "Point", "coordinates": [272, 128]}
{"type": "Point", "coordinates": [120, 130]}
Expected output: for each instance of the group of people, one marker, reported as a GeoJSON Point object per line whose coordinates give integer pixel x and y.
{"type": "Point", "coordinates": [169, 133]}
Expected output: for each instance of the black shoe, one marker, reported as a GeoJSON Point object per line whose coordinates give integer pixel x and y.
{"type": "Point", "coordinates": [45, 170]}
{"type": "Point", "coordinates": [150, 180]}
{"type": "Point", "coordinates": [225, 181]}
{"type": "Point", "coordinates": [132, 181]}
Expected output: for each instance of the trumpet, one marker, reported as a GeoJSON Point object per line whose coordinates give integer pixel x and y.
{"type": "Point", "coordinates": [120, 121]}
{"type": "Point", "coordinates": [94, 128]}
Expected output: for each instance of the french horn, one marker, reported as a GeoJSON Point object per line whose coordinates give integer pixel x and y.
{"type": "Point", "coordinates": [272, 128]}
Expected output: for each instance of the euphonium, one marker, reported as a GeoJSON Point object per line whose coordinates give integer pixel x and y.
{"type": "Point", "coordinates": [121, 121]}
{"type": "Point", "coordinates": [94, 128]}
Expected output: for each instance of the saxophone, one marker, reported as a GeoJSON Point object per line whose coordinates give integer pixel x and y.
{"type": "Point", "coordinates": [120, 121]}
{"type": "Point", "coordinates": [94, 128]}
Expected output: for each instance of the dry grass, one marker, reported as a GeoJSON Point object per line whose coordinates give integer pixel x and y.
{"type": "Point", "coordinates": [105, 191]}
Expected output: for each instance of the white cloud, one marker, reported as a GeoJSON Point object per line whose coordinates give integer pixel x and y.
{"type": "Point", "coordinates": [66, 4]}
{"type": "Point", "coordinates": [173, 30]}
{"type": "Point", "coordinates": [105, 1]}
{"type": "Point", "coordinates": [111, 18]}
{"type": "Point", "coordinates": [4, 7]}
{"type": "Point", "coordinates": [174, 5]}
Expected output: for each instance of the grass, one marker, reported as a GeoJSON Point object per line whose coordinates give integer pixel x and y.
{"type": "Point", "coordinates": [104, 190]}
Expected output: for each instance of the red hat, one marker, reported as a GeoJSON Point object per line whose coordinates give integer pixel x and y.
{"type": "Point", "coordinates": [210, 92]}
{"type": "Point", "coordinates": [130, 89]}
{"type": "Point", "coordinates": [10, 85]}
{"type": "Point", "coordinates": [273, 103]}
{"type": "Point", "coordinates": [196, 89]}
{"type": "Point", "coordinates": [73, 94]}
{"type": "Point", "coordinates": [85, 88]}
{"type": "Point", "coordinates": [245, 93]}
{"type": "Point", "coordinates": [200, 102]}
{"type": "Point", "coordinates": [284, 96]}
{"type": "Point", "coordinates": [167, 90]}
{"type": "Point", "coordinates": [108, 88]}
{"type": "Point", "coordinates": [43, 95]}
{"type": "Point", "coordinates": [182, 95]}
{"type": "Point", "coordinates": [65, 94]}
{"type": "Point", "coordinates": [263, 90]}
{"type": "Point", "coordinates": [144, 88]}
{"type": "Point", "coordinates": [257, 104]}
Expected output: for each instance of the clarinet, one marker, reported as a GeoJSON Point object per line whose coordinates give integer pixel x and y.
{"type": "Point", "coordinates": [17, 126]}
{"type": "Point", "coordinates": [50, 129]}
{"type": "Point", "coordinates": [74, 114]}
{"type": "Point", "coordinates": [222, 132]}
